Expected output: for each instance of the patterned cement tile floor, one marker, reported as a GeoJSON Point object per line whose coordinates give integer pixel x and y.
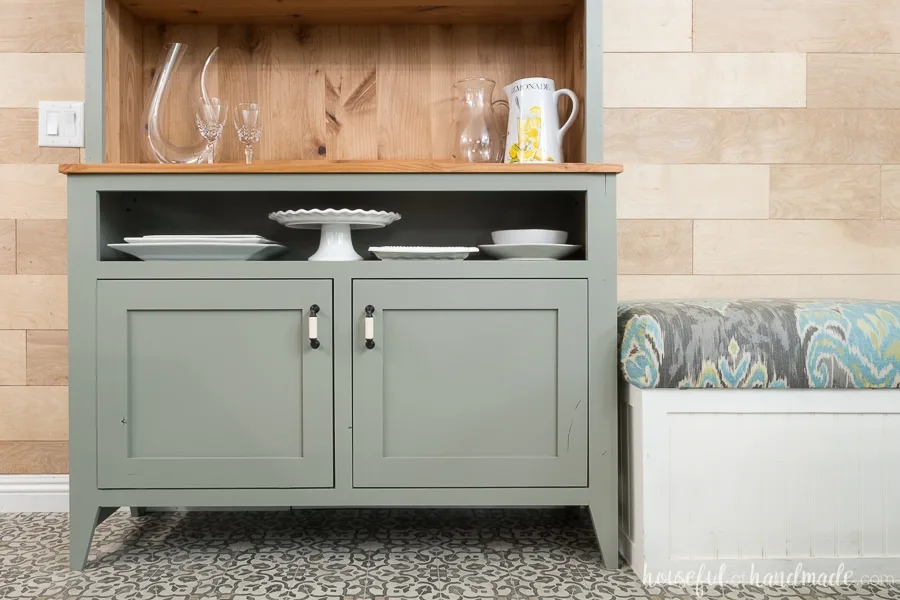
{"type": "Point", "coordinates": [345, 554]}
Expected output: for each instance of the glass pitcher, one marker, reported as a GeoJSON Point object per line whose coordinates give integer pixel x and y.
{"type": "Point", "coordinates": [477, 134]}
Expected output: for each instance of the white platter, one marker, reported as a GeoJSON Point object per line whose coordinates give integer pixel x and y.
{"type": "Point", "coordinates": [313, 218]}
{"type": "Point", "coordinates": [223, 239]}
{"type": "Point", "coordinates": [422, 252]}
{"type": "Point", "coordinates": [529, 251]}
{"type": "Point", "coordinates": [201, 251]}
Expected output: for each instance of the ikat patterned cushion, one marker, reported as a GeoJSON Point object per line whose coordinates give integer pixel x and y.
{"type": "Point", "coordinates": [760, 343]}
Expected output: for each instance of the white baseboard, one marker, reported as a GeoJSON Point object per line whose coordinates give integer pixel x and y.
{"type": "Point", "coordinates": [34, 493]}
{"type": "Point", "coordinates": [50, 493]}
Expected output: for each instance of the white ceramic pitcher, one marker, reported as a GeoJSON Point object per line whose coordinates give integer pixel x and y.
{"type": "Point", "coordinates": [534, 134]}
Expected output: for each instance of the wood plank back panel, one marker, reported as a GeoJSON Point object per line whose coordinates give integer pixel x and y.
{"type": "Point", "coordinates": [351, 92]}
{"type": "Point", "coordinates": [403, 65]}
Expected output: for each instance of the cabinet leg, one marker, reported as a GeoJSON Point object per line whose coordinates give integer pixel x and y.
{"type": "Point", "coordinates": [82, 522]}
{"type": "Point", "coordinates": [138, 511]}
{"type": "Point", "coordinates": [606, 528]}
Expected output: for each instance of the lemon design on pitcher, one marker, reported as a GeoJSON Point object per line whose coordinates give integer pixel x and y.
{"type": "Point", "coordinates": [528, 148]}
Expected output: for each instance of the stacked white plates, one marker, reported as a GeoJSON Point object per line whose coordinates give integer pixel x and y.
{"type": "Point", "coordinates": [200, 247]}
{"type": "Point", "coordinates": [225, 239]}
{"type": "Point", "coordinates": [422, 252]}
{"type": "Point", "coordinates": [529, 244]}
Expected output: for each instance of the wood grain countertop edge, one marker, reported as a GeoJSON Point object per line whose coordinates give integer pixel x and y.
{"type": "Point", "coordinates": [324, 167]}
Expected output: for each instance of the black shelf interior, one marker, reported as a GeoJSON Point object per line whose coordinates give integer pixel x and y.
{"type": "Point", "coordinates": [427, 218]}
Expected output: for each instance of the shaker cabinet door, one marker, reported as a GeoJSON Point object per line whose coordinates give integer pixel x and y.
{"type": "Point", "coordinates": [470, 383]}
{"type": "Point", "coordinates": [214, 384]}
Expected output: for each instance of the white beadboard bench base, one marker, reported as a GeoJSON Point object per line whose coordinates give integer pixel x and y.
{"type": "Point", "coordinates": [759, 482]}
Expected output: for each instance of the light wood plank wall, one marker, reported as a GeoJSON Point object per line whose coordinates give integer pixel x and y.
{"type": "Point", "coordinates": [761, 140]}
{"type": "Point", "coordinates": [41, 58]}
{"type": "Point", "coordinates": [761, 143]}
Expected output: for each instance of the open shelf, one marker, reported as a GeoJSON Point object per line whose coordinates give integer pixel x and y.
{"type": "Point", "coordinates": [348, 11]}
{"type": "Point", "coordinates": [427, 218]}
{"type": "Point", "coordinates": [350, 166]}
{"type": "Point", "coordinates": [336, 79]}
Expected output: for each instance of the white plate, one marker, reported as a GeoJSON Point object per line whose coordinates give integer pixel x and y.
{"type": "Point", "coordinates": [528, 251]}
{"type": "Point", "coordinates": [223, 239]}
{"type": "Point", "coordinates": [313, 218]}
{"type": "Point", "coordinates": [201, 251]}
{"type": "Point", "coordinates": [422, 252]}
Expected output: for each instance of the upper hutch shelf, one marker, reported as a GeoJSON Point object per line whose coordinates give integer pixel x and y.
{"type": "Point", "coordinates": [327, 166]}
{"type": "Point", "coordinates": [349, 11]}
{"type": "Point", "coordinates": [340, 79]}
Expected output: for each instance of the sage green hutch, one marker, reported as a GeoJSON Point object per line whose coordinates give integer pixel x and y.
{"type": "Point", "coordinates": [483, 382]}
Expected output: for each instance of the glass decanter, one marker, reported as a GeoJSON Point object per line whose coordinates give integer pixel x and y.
{"type": "Point", "coordinates": [170, 79]}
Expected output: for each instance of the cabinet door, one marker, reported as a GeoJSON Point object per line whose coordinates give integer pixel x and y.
{"type": "Point", "coordinates": [470, 383]}
{"type": "Point", "coordinates": [214, 384]}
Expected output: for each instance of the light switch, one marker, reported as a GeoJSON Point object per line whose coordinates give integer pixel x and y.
{"type": "Point", "coordinates": [53, 123]}
{"type": "Point", "coordinates": [69, 120]}
{"type": "Point", "coordinates": [61, 124]}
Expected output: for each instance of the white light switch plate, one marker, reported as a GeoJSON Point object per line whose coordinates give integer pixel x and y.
{"type": "Point", "coordinates": [61, 124]}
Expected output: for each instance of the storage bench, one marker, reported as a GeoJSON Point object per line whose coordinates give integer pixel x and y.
{"type": "Point", "coordinates": [748, 442]}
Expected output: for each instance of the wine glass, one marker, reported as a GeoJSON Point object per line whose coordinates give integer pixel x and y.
{"type": "Point", "coordinates": [211, 115]}
{"type": "Point", "coordinates": [248, 122]}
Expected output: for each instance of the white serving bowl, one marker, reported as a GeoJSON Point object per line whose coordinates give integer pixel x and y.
{"type": "Point", "coordinates": [529, 236]}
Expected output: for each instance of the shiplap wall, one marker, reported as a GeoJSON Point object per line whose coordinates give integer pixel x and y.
{"type": "Point", "coordinates": [758, 138]}
{"type": "Point", "coordinates": [41, 58]}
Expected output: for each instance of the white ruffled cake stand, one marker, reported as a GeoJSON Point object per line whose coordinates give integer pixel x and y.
{"type": "Point", "coordinates": [336, 242]}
